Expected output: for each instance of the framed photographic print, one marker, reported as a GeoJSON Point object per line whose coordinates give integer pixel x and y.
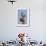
{"type": "Point", "coordinates": [22, 17]}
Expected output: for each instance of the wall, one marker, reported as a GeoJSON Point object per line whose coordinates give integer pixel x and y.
{"type": "Point", "coordinates": [37, 29]}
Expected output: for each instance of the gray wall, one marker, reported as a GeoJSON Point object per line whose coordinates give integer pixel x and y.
{"type": "Point", "coordinates": [37, 29]}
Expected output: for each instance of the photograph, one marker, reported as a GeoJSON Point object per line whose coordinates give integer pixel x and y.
{"type": "Point", "coordinates": [22, 15]}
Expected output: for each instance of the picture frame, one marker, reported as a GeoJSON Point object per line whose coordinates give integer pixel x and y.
{"type": "Point", "coordinates": [22, 17]}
